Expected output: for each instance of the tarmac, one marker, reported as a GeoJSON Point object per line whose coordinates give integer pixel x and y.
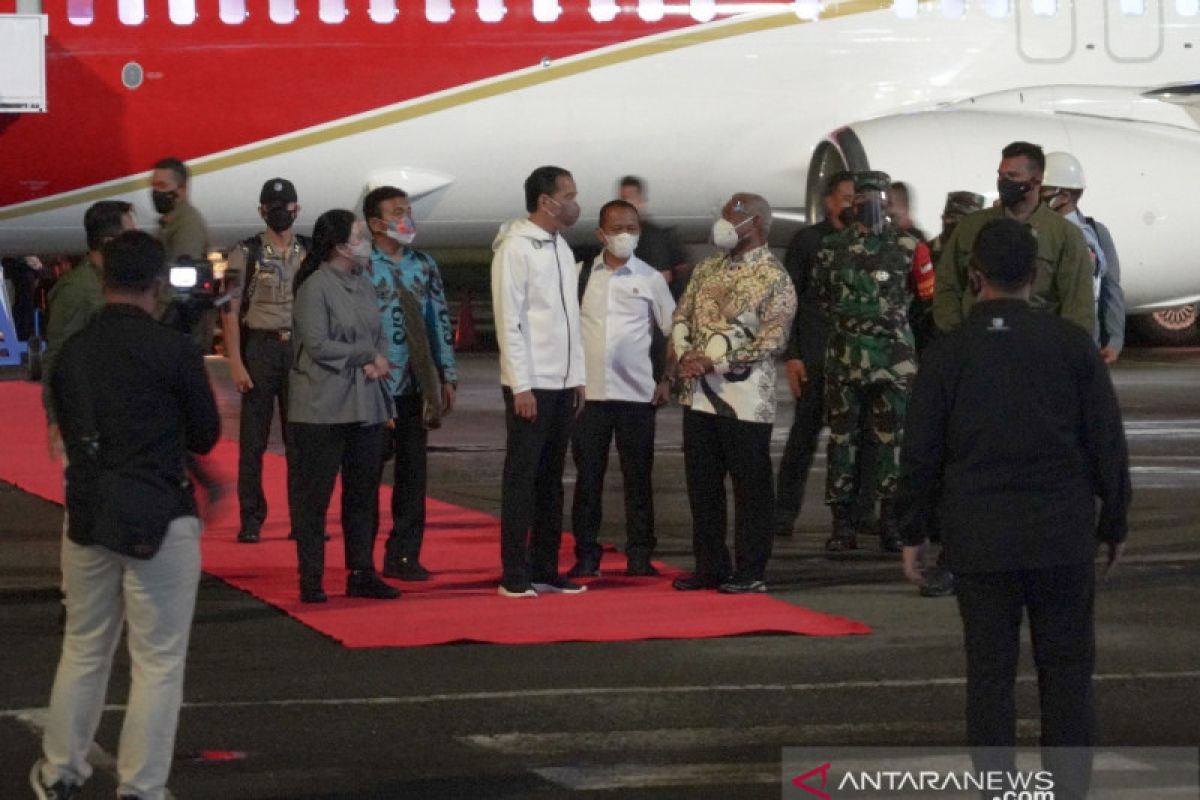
{"type": "Point", "coordinates": [274, 710]}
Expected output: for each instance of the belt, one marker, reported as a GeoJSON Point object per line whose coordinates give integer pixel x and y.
{"type": "Point", "coordinates": [281, 335]}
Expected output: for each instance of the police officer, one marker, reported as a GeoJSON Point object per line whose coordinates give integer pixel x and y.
{"type": "Point", "coordinates": [257, 326]}
{"type": "Point", "coordinates": [1063, 285]}
{"type": "Point", "coordinates": [1063, 186]}
{"type": "Point", "coordinates": [863, 284]}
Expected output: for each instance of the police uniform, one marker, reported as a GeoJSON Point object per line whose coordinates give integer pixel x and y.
{"type": "Point", "coordinates": [862, 280]}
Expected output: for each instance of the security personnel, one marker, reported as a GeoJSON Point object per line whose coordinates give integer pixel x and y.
{"type": "Point", "coordinates": [958, 205]}
{"type": "Point", "coordinates": [257, 326]}
{"type": "Point", "coordinates": [1063, 285]}
{"type": "Point", "coordinates": [1015, 439]}
{"type": "Point", "coordinates": [183, 234]}
{"type": "Point", "coordinates": [863, 278]}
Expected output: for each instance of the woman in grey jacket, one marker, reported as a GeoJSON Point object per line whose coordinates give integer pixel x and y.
{"type": "Point", "coordinates": [337, 406]}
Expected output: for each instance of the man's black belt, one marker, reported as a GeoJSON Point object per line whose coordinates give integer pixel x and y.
{"type": "Point", "coordinates": [281, 335]}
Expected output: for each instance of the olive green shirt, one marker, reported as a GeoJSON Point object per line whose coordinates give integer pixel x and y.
{"type": "Point", "coordinates": [72, 303]}
{"type": "Point", "coordinates": [1062, 286]}
{"type": "Point", "coordinates": [184, 234]}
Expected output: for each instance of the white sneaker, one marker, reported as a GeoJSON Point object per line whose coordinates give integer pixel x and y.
{"type": "Point", "coordinates": [516, 592]}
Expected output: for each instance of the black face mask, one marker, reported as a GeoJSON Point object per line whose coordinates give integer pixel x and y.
{"type": "Point", "coordinates": [848, 216]}
{"type": "Point", "coordinates": [279, 218]}
{"type": "Point", "coordinates": [164, 202]}
{"type": "Point", "coordinates": [1012, 192]}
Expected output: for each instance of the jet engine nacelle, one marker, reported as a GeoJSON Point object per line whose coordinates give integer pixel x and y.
{"type": "Point", "coordinates": [1138, 175]}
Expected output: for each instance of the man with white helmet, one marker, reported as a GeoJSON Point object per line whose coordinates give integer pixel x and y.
{"type": "Point", "coordinates": [1062, 187]}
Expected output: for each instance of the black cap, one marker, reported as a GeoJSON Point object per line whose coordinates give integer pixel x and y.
{"type": "Point", "coordinates": [277, 190]}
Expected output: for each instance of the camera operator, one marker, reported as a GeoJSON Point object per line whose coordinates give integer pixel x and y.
{"type": "Point", "coordinates": [184, 237]}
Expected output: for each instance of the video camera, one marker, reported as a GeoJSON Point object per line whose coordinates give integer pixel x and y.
{"type": "Point", "coordinates": [194, 284]}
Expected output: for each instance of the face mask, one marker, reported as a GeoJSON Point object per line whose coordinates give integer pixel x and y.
{"type": "Point", "coordinates": [848, 215]}
{"type": "Point", "coordinates": [164, 202]}
{"type": "Point", "coordinates": [621, 245]}
{"type": "Point", "coordinates": [569, 212]}
{"type": "Point", "coordinates": [1056, 201]}
{"type": "Point", "coordinates": [725, 233]}
{"type": "Point", "coordinates": [403, 232]}
{"type": "Point", "coordinates": [279, 218]}
{"type": "Point", "coordinates": [1012, 192]}
{"type": "Point", "coordinates": [359, 253]}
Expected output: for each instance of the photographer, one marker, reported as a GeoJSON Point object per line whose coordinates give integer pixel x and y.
{"type": "Point", "coordinates": [184, 237]}
{"type": "Point", "coordinates": [132, 398]}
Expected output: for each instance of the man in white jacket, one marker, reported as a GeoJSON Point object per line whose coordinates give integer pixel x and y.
{"type": "Point", "coordinates": [534, 279]}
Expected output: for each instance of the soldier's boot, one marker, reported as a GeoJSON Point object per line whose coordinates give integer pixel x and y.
{"type": "Point", "coordinates": [889, 528]}
{"type": "Point", "coordinates": [843, 537]}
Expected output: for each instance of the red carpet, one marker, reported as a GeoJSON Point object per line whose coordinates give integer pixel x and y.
{"type": "Point", "coordinates": [461, 548]}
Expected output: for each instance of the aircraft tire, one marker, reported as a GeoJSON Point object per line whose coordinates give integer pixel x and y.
{"type": "Point", "coordinates": [1168, 326]}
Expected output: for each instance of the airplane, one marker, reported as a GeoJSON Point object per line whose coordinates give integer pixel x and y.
{"type": "Point", "coordinates": [455, 101]}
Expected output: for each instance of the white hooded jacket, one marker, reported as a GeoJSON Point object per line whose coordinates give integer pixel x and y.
{"type": "Point", "coordinates": [536, 306]}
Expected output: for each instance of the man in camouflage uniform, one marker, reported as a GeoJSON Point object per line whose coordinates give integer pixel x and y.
{"type": "Point", "coordinates": [862, 279]}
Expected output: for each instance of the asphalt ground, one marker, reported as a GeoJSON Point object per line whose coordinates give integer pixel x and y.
{"type": "Point", "coordinates": [275, 710]}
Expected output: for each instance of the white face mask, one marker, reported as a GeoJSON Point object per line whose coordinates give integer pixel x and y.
{"type": "Point", "coordinates": [359, 253]}
{"type": "Point", "coordinates": [621, 245]}
{"type": "Point", "coordinates": [402, 232]}
{"type": "Point", "coordinates": [725, 233]}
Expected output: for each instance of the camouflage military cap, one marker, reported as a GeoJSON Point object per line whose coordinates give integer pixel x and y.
{"type": "Point", "coordinates": [871, 180]}
{"type": "Point", "coordinates": [962, 203]}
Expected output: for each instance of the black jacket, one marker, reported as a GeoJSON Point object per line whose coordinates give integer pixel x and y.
{"type": "Point", "coordinates": [1013, 433]}
{"type": "Point", "coordinates": [810, 326]}
{"type": "Point", "coordinates": [132, 397]}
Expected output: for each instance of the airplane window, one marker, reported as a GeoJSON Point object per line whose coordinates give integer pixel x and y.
{"type": "Point", "coordinates": [283, 12]}
{"type": "Point", "coordinates": [131, 12]}
{"type": "Point", "coordinates": [382, 11]}
{"type": "Point", "coordinates": [490, 10]}
{"type": "Point", "coordinates": [704, 10]}
{"type": "Point", "coordinates": [651, 10]}
{"type": "Point", "coordinates": [603, 10]}
{"type": "Point", "coordinates": [546, 10]}
{"type": "Point", "coordinates": [1187, 8]}
{"type": "Point", "coordinates": [233, 12]}
{"type": "Point", "coordinates": [997, 8]}
{"type": "Point", "coordinates": [905, 9]}
{"type": "Point", "coordinates": [1045, 8]}
{"type": "Point", "coordinates": [954, 8]}
{"type": "Point", "coordinates": [332, 11]}
{"type": "Point", "coordinates": [182, 12]}
{"type": "Point", "coordinates": [438, 10]}
{"type": "Point", "coordinates": [79, 12]}
{"type": "Point", "coordinates": [1133, 8]}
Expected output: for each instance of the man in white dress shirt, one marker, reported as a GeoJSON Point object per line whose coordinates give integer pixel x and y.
{"type": "Point", "coordinates": [622, 300]}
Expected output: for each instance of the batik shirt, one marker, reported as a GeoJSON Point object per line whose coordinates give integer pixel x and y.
{"type": "Point", "coordinates": [737, 311]}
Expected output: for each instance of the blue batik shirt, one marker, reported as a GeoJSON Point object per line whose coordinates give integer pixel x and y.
{"type": "Point", "coordinates": [418, 273]}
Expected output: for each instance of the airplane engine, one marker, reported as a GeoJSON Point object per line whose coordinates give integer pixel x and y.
{"type": "Point", "coordinates": [1138, 178]}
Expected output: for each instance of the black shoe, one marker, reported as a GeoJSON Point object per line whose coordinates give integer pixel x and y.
{"type": "Point", "coordinates": [694, 583]}
{"type": "Point", "coordinates": [742, 587]}
{"type": "Point", "coordinates": [311, 591]}
{"type": "Point", "coordinates": [248, 536]}
{"type": "Point", "coordinates": [406, 569]}
{"type": "Point", "coordinates": [939, 583]}
{"type": "Point", "coordinates": [844, 536]}
{"type": "Point", "coordinates": [889, 529]}
{"type": "Point", "coordinates": [367, 583]}
{"type": "Point", "coordinates": [641, 568]}
{"type": "Point", "coordinates": [584, 569]}
{"type": "Point", "coordinates": [557, 585]}
{"type": "Point", "coordinates": [516, 591]}
{"type": "Point", "coordinates": [292, 535]}
{"type": "Point", "coordinates": [59, 790]}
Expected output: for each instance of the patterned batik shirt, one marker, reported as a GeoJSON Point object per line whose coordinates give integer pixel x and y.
{"type": "Point", "coordinates": [737, 311]}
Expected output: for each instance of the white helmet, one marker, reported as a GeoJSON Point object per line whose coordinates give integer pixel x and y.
{"type": "Point", "coordinates": [1063, 171]}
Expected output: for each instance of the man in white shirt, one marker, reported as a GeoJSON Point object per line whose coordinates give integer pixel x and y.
{"type": "Point", "coordinates": [624, 300]}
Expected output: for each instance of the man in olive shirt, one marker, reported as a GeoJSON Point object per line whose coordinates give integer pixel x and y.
{"type": "Point", "coordinates": [182, 231]}
{"type": "Point", "coordinates": [78, 295]}
{"type": "Point", "coordinates": [1063, 284]}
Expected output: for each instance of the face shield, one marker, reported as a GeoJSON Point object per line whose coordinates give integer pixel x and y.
{"type": "Point", "coordinates": [871, 200]}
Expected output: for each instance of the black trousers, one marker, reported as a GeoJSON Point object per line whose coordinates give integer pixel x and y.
{"type": "Point", "coordinates": [409, 481]}
{"type": "Point", "coordinates": [633, 426]}
{"type": "Point", "coordinates": [796, 464]}
{"type": "Point", "coordinates": [320, 453]}
{"type": "Point", "coordinates": [714, 447]}
{"type": "Point", "coordinates": [268, 361]}
{"type": "Point", "coordinates": [531, 494]}
{"type": "Point", "coordinates": [1059, 602]}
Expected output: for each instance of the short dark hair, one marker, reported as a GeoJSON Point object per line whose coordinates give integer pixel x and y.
{"type": "Point", "coordinates": [103, 220]}
{"type": "Point", "coordinates": [182, 173]}
{"type": "Point", "coordinates": [618, 204]}
{"type": "Point", "coordinates": [543, 180]}
{"type": "Point", "coordinates": [633, 181]}
{"type": "Point", "coordinates": [835, 180]}
{"type": "Point", "coordinates": [900, 189]}
{"type": "Point", "coordinates": [132, 261]}
{"type": "Point", "coordinates": [1033, 152]}
{"type": "Point", "coordinates": [376, 197]}
{"type": "Point", "coordinates": [1005, 254]}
